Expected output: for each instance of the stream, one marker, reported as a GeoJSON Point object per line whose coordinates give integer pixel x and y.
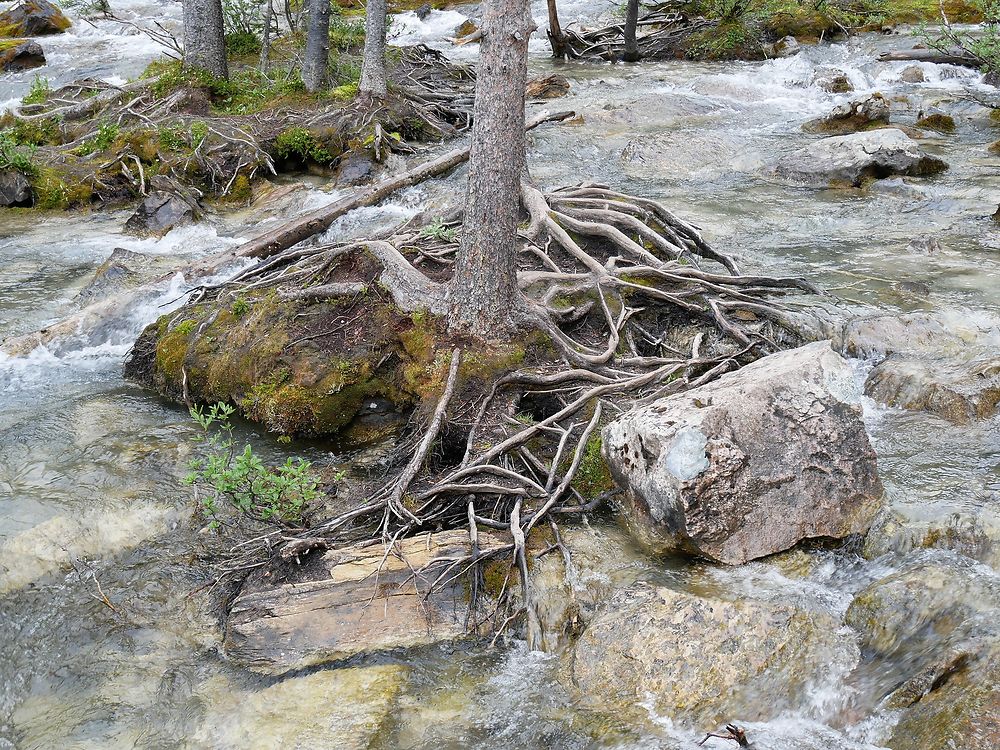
{"type": "Point", "coordinates": [92, 506]}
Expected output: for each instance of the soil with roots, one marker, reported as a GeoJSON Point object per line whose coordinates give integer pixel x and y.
{"type": "Point", "coordinates": [621, 303]}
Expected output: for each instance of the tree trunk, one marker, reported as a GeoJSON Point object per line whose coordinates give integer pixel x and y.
{"type": "Point", "coordinates": [373, 77]}
{"type": "Point", "coordinates": [631, 20]}
{"type": "Point", "coordinates": [556, 38]}
{"type": "Point", "coordinates": [484, 288]}
{"type": "Point", "coordinates": [205, 37]}
{"type": "Point", "coordinates": [316, 65]}
{"type": "Point", "coordinates": [265, 42]}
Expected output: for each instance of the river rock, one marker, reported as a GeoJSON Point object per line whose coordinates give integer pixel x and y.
{"type": "Point", "coordinates": [701, 659]}
{"type": "Point", "coordinates": [158, 214]}
{"type": "Point", "coordinates": [20, 54]}
{"type": "Point", "coordinates": [334, 709]}
{"type": "Point", "coordinates": [15, 189]}
{"type": "Point", "coordinates": [354, 167]}
{"type": "Point", "coordinates": [912, 74]}
{"type": "Point", "coordinates": [856, 159]}
{"type": "Point", "coordinates": [33, 18]}
{"type": "Point", "coordinates": [861, 114]}
{"type": "Point", "coordinates": [787, 46]}
{"type": "Point", "coordinates": [750, 464]}
{"type": "Point", "coordinates": [122, 270]}
{"type": "Point", "coordinates": [940, 122]}
{"type": "Point", "coordinates": [958, 391]}
{"type": "Point", "coordinates": [547, 87]}
{"type": "Point", "coordinates": [919, 333]}
{"type": "Point", "coordinates": [339, 605]}
{"type": "Point", "coordinates": [834, 82]}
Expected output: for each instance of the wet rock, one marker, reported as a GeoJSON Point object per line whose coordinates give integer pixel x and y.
{"type": "Point", "coordinates": [20, 54]}
{"type": "Point", "coordinates": [158, 214]}
{"type": "Point", "coordinates": [861, 114]}
{"type": "Point", "coordinates": [751, 464]}
{"type": "Point", "coordinates": [960, 709]}
{"type": "Point", "coordinates": [340, 605]}
{"type": "Point", "coordinates": [122, 270]}
{"type": "Point", "coordinates": [954, 390]}
{"type": "Point", "coordinates": [834, 82]}
{"type": "Point", "coordinates": [424, 11]}
{"type": "Point", "coordinates": [15, 189]}
{"type": "Point", "coordinates": [994, 148]}
{"type": "Point", "coordinates": [926, 245]}
{"type": "Point", "coordinates": [547, 87]}
{"type": "Point", "coordinates": [346, 709]}
{"type": "Point", "coordinates": [937, 599]}
{"type": "Point", "coordinates": [912, 74]}
{"type": "Point", "coordinates": [940, 123]}
{"type": "Point", "coordinates": [33, 18]}
{"type": "Point", "coordinates": [853, 160]}
{"type": "Point", "coordinates": [354, 167]}
{"type": "Point", "coordinates": [919, 333]}
{"type": "Point", "coordinates": [467, 28]}
{"type": "Point", "coordinates": [787, 46]}
{"type": "Point", "coordinates": [704, 659]}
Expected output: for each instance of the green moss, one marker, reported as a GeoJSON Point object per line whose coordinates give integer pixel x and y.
{"type": "Point", "coordinates": [57, 190]}
{"type": "Point", "coordinates": [302, 145]}
{"type": "Point", "coordinates": [186, 327]}
{"type": "Point", "coordinates": [938, 122]}
{"type": "Point", "coordinates": [593, 477]}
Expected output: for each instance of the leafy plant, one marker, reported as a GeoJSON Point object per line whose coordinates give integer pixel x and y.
{"type": "Point", "coordinates": [243, 44]}
{"type": "Point", "coordinates": [39, 91]}
{"type": "Point", "coordinates": [240, 307]}
{"type": "Point", "coordinates": [299, 143]}
{"type": "Point", "coordinates": [983, 44]}
{"type": "Point", "coordinates": [238, 479]}
{"type": "Point", "coordinates": [438, 230]}
{"type": "Point", "coordinates": [14, 155]}
{"type": "Point", "coordinates": [107, 133]}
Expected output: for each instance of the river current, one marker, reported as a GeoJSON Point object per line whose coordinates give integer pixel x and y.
{"type": "Point", "coordinates": [91, 504]}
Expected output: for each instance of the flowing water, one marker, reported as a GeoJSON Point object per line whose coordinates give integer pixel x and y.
{"type": "Point", "coordinates": [90, 500]}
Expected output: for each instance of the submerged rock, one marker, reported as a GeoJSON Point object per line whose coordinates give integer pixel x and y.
{"type": "Point", "coordinates": [122, 270]}
{"type": "Point", "coordinates": [15, 189]}
{"type": "Point", "coordinates": [750, 464]}
{"type": "Point", "coordinates": [853, 160]}
{"type": "Point", "coordinates": [704, 659]}
{"type": "Point", "coordinates": [547, 87]}
{"type": "Point", "coordinates": [954, 390]}
{"type": "Point", "coordinates": [918, 333]}
{"type": "Point", "coordinates": [158, 214]}
{"type": "Point", "coordinates": [346, 709]}
{"type": "Point", "coordinates": [20, 54]}
{"type": "Point", "coordinates": [33, 18]}
{"type": "Point", "coordinates": [341, 604]}
{"type": "Point", "coordinates": [861, 114]}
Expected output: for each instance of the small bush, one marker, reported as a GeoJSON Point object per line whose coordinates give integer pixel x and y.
{"type": "Point", "coordinates": [17, 156]}
{"type": "Point", "coordinates": [243, 44]}
{"type": "Point", "coordinates": [39, 91]}
{"type": "Point", "coordinates": [239, 480]}
{"type": "Point", "coordinates": [240, 307]}
{"type": "Point", "coordinates": [107, 133]}
{"type": "Point", "coordinates": [300, 144]}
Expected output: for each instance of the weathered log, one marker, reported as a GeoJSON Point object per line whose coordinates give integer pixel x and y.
{"type": "Point", "coordinates": [954, 57]}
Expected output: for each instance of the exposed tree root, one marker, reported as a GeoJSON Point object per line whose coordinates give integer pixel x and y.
{"type": "Point", "coordinates": [637, 305]}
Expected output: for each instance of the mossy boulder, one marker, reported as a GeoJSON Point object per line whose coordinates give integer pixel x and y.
{"type": "Point", "coordinates": [861, 114]}
{"type": "Point", "coordinates": [939, 122]}
{"type": "Point", "coordinates": [305, 366]}
{"type": "Point", "coordinates": [33, 18]}
{"type": "Point", "coordinates": [20, 54]}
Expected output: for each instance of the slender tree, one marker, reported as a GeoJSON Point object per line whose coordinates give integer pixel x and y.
{"type": "Point", "coordinates": [316, 65]}
{"type": "Point", "coordinates": [265, 42]}
{"type": "Point", "coordinates": [483, 290]}
{"type": "Point", "coordinates": [205, 37]}
{"type": "Point", "coordinates": [556, 38]}
{"type": "Point", "coordinates": [373, 75]}
{"type": "Point", "coordinates": [631, 21]}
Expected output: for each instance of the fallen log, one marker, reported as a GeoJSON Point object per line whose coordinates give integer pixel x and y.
{"type": "Point", "coordinates": [268, 244]}
{"type": "Point", "coordinates": [955, 57]}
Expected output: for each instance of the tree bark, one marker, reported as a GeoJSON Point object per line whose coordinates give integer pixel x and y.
{"type": "Point", "coordinates": [316, 65]}
{"type": "Point", "coordinates": [265, 42]}
{"type": "Point", "coordinates": [373, 75]}
{"type": "Point", "coordinates": [556, 38]}
{"type": "Point", "coordinates": [205, 37]}
{"type": "Point", "coordinates": [631, 21]}
{"type": "Point", "coordinates": [484, 287]}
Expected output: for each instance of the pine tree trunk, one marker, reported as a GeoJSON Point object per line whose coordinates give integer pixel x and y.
{"type": "Point", "coordinates": [265, 42]}
{"type": "Point", "coordinates": [631, 20]}
{"type": "Point", "coordinates": [556, 38]}
{"type": "Point", "coordinates": [316, 65]}
{"type": "Point", "coordinates": [205, 37]}
{"type": "Point", "coordinates": [373, 76]}
{"type": "Point", "coordinates": [483, 290]}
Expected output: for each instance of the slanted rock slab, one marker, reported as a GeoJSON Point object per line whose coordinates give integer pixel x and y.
{"type": "Point", "coordinates": [348, 606]}
{"type": "Point", "coordinates": [960, 392]}
{"type": "Point", "coordinates": [858, 158]}
{"type": "Point", "coordinates": [705, 659]}
{"type": "Point", "coordinates": [751, 464]}
{"type": "Point", "coordinates": [158, 214]}
{"type": "Point", "coordinates": [33, 18]}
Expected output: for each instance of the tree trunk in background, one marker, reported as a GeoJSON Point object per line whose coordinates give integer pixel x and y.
{"type": "Point", "coordinates": [631, 20]}
{"type": "Point", "coordinates": [373, 77]}
{"type": "Point", "coordinates": [483, 291]}
{"type": "Point", "coordinates": [205, 37]}
{"type": "Point", "coordinates": [316, 65]}
{"type": "Point", "coordinates": [265, 42]}
{"type": "Point", "coordinates": [556, 38]}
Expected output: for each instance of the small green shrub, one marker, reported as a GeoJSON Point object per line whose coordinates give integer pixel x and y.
{"type": "Point", "coordinates": [243, 44]}
{"type": "Point", "coordinates": [438, 230]}
{"type": "Point", "coordinates": [300, 144]}
{"type": "Point", "coordinates": [239, 480]}
{"type": "Point", "coordinates": [199, 132]}
{"type": "Point", "coordinates": [346, 35]}
{"type": "Point", "coordinates": [240, 307]}
{"type": "Point", "coordinates": [107, 133]}
{"type": "Point", "coordinates": [17, 156]}
{"type": "Point", "coordinates": [171, 138]}
{"type": "Point", "coordinates": [39, 91]}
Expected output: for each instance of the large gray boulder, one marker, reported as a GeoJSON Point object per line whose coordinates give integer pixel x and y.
{"type": "Point", "coordinates": [158, 214]}
{"type": "Point", "coordinates": [348, 602]}
{"type": "Point", "coordinates": [751, 464]}
{"type": "Point", "coordinates": [15, 189]}
{"type": "Point", "coordinates": [856, 159]}
{"type": "Point", "coordinates": [705, 660]}
{"type": "Point", "coordinates": [20, 54]}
